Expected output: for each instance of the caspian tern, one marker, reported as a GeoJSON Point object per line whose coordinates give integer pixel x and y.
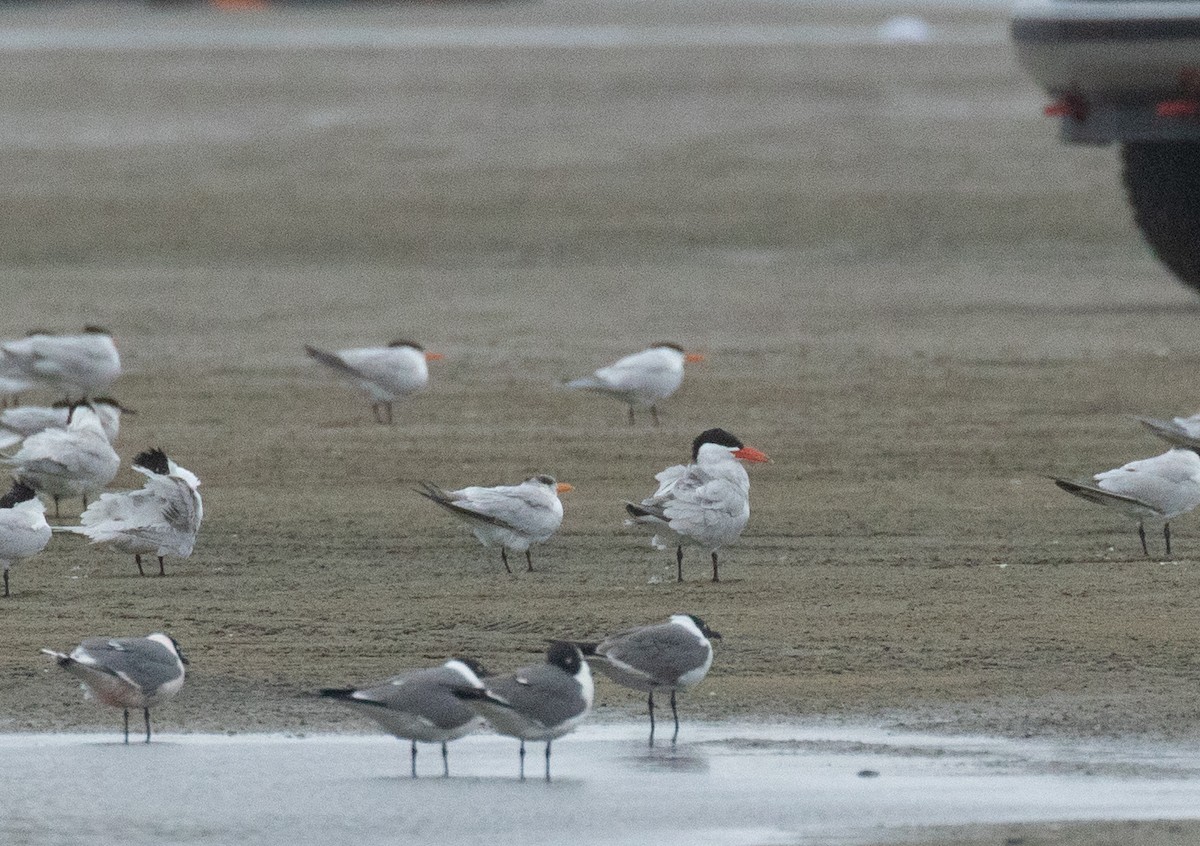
{"type": "Point", "coordinates": [386, 373]}
{"type": "Point", "coordinates": [419, 705]}
{"type": "Point", "coordinates": [509, 516]}
{"type": "Point", "coordinates": [19, 423]}
{"type": "Point", "coordinates": [705, 503]}
{"type": "Point", "coordinates": [161, 518]}
{"type": "Point", "coordinates": [641, 380]}
{"type": "Point", "coordinates": [541, 702]}
{"type": "Point", "coordinates": [127, 672]}
{"type": "Point", "coordinates": [24, 531]}
{"type": "Point", "coordinates": [75, 461]}
{"type": "Point", "coordinates": [674, 655]}
{"type": "Point", "coordinates": [77, 365]}
{"type": "Point", "coordinates": [1159, 488]}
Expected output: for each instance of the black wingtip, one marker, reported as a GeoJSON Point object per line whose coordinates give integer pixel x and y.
{"type": "Point", "coordinates": [154, 460]}
{"type": "Point", "coordinates": [18, 493]}
{"type": "Point", "coordinates": [339, 693]}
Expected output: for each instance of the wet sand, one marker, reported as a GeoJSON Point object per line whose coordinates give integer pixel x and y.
{"type": "Point", "coordinates": [911, 295]}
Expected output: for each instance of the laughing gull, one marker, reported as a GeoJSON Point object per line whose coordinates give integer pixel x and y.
{"type": "Point", "coordinates": [509, 516]}
{"type": "Point", "coordinates": [419, 705]}
{"type": "Point", "coordinates": [705, 503]}
{"type": "Point", "coordinates": [641, 380]}
{"type": "Point", "coordinates": [79, 365]}
{"type": "Point", "coordinates": [1158, 488]}
{"type": "Point", "coordinates": [386, 373]}
{"type": "Point", "coordinates": [127, 672]}
{"type": "Point", "coordinates": [75, 461]}
{"type": "Point", "coordinates": [540, 702]}
{"type": "Point", "coordinates": [667, 656]}
{"type": "Point", "coordinates": [24, 531]}
{"type": "Point", "coordinates": [161, 518]}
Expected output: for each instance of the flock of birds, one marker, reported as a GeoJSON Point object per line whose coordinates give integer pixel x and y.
{"type": "Point", "coordinates": [66, 450]}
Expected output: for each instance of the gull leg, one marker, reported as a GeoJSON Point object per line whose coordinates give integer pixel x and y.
{"type": "Point", "coordinates": [445, 761]}
{"type": "Point", "coordinates": [146, 714]}
{"type": "Point", "coordinates": [528, 561]}
{"type": "Point", "coordinates": [138, 560]}
{"type": "Point", "coordinates": [679, 563]}
{"type": "Point", "coordinates": [126, 726]}
{"type": "Point", "coordinates": [161, 570]}
{"type": "Point", "coordinates": [504, 558]}
{"type": "Point", "coordinates": [1142, 535]}
{"type": "Point", "coordinates": [522, 754]}
{"type": "Point", "coordinates": [654, 414]}
{"type": "Point", "coordinates": [547, 760]}
{"type": "Point", "coordinates": [1167, 536]}
{"type": "Point", "coordinates": [674, 714]}
{"type": "Point", "coordinates": [650, 706]}
{"type": "Point", "coordinates": [714, 557]}
{"type": "Point", "coordinates": [413, 758]}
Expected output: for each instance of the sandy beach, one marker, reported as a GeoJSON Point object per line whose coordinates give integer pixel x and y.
{"type": "Point", "coordinates": [909, 293]}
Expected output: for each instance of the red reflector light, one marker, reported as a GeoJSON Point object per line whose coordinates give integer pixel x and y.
{"type": "Point", "coordinates": [1177, 108]}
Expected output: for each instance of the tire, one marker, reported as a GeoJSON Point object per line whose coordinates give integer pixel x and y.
{"type": "Point", "coordinates": [1162, 180]}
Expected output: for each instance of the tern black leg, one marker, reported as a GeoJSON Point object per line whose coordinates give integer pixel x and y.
{"type": "Point", "coordinates": [654, 414]}
{"type": "Point", "coordinates": [84, 498]}
{"type": "Point", "coordinates": [146, 714]}
{"type": "Point", "coordinates": [547, 760]}
{"type": "Point", "coordinates": [376, 412]}
{"type": "Point", "coordinates": [126, 726]}
{"type": "Point", "coordinates": [445, 761]}
{"type": "Point", "coordinates": [650, 706]}
{"type": "Point", "coordinates": [1167, 536]}
{"type": "Point", "coordinates": [413, 757]}
{"type": "Point", "coordinates": [388, 406]}
{"type": "Point", "coordinates": [138, 560]}
{"type": "Point", "coordinates": [631, 420]}
{"type": "Point", "coordinates": [1142, 535]}
{"type": "Point", "coordinates": [528, 561]}
{"type": "Point", "coordinates": [504, 558]}
{"type": "Point", "coordinates": [674, 714]}
{"type": "Point", "coordinates": [55, 505]}
{"type": "Point", "coordinates": [522, 754]}
{"type": "Point", "coordinates": [679, 563]}
{"type": "Point", "coordinates": [714, 557]}
{"type": "Point", "coordinates": [6, 582]}
{"type": "Point", "coordinates": [161, 570]}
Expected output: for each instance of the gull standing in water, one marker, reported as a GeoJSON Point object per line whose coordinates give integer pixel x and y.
{"type": "Point", "coordinates": [674, 655]}
{"type": "Point", "coordinates": [540, 702]}
{"type": "Point", "coordinates": [127, 672]}
{"type": "Point", "coordinates": [161, 518]}
{"type": "Point", "coordinates": [1157, 489]}
{"type": "Point", "coordinates": [641, 380]}
{"type": "Point", "coordinates": [705, 503]}
{"type": "Point", "coordinates": [419, 705]}
{"type": "Point", "coordinates": [24, 531]}
{"type": "Point", "coordinates": [386, 373]}
{"type": "Point", "coordinates": [509, 516]}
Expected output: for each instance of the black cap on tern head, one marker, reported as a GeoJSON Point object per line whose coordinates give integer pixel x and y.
{"type": "Point", "coordinates": [96, 330]}
{"type": "Point", "coordinates": [704, 629]}
{"type": "Point", "coordinates": [154, 460]}
{"type": "Point", "coordinates": [545, 479]}
{"type": "Point", "coordinates": [566, 656]}
{"type": "Point", "coordinates": [714, 436]}
{"type": "Point", "coordinates": [18, 493]}
{"type": "Point", "coordinates": [400, 342]}
{"type": "Point", "coordinates": [669, 344]}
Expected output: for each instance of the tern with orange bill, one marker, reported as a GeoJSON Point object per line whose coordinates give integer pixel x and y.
{"type": "Point", "coordinates": [705, 503]}
{"type": "Point", "coordinates": [641, 380]}
{"type": "Point", "coordinates": [386, 373]}
{"type": "Point", "coordinates": [512, 517]}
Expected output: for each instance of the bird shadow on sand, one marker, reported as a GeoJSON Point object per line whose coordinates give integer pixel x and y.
{"type": "Point", "coordinates": [667, 758]}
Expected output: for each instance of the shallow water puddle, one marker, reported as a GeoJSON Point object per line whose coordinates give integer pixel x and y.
{"type": "Point", "coordinates": [724, 784]}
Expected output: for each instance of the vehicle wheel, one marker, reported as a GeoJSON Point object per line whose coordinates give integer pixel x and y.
{"type": "Point", "coordinates": [1162, 180]}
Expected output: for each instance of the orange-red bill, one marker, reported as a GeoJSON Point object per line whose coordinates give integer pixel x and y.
{"type": "Point", "coordinates": [693, 358]}
{"type": "Point", "coordinates": [432, 356]}
{"type": "Point", "coordinates": [751, 454]}
{"type": "Point", "coordinates": [563, 487]}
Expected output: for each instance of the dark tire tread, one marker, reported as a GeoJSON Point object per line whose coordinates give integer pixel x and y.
{"type": "Point", "coordinates": [1162, 181]}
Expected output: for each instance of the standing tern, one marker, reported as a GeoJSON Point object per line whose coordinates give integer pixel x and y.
{"type": "Point", "coordinates": [667, 656]}
{"type": "Point", "coordinates": [127, 672]}
{"type": "Point", "coordinates": [419, 705]}
{"type": "Point", "coordinates": [77, 365]}
{"type": "Point", "coordinates": [540, 702]}
{"type": "Point", "coordinates": [19, 423]}
{"type": "Point", "coordinates": [641, 380]}
{"type": "Point", "coordinates": [1159, 488]}
{"type": "Point", "coordinates": [386, 373]}
{"type": "Point", "coordinates": [705, 503]}
{"type": "Point", "coordinates": [76, 461]}
{"type": "Point", "coordinates": [161, 518]}
{"type": "Point", "coordinates": [509, 516]}
{"type": "Point", "coordinates": [24, 531]}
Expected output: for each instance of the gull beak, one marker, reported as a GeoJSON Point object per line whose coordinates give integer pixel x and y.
{"type": "Point", "coordinates": [751, 454]}
{"type": "Point", "coordinates": [693, 358]}
{"type": "Point", "coordinates": [563, 487]}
